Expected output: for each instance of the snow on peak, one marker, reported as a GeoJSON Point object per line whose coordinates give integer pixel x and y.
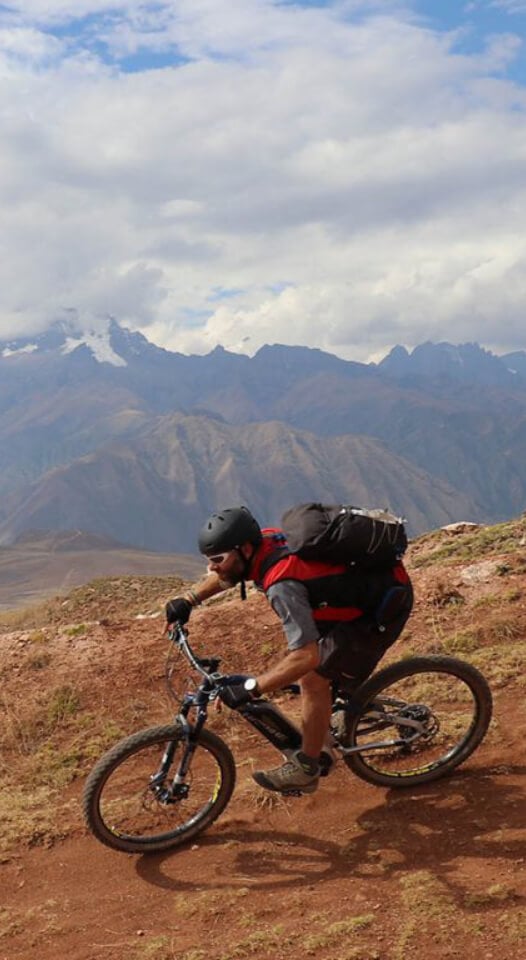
{"type": "Point", "coordinates": [100, 346]}
{"type": "Point", "coordinates": [28, 348]}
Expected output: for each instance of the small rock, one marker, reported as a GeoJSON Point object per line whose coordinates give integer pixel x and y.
{"type": "Point", "coordinates": [479, 572]}
{"type": "Point", "coordinates": [464, 526]}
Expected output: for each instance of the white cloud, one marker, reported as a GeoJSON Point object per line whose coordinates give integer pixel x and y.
{"type": "Point", "coordinates": [511, 6]}
{"type": "Point", "coordinates": [349, 183]}
{"type": "Point", "coordinates": [28, 44]}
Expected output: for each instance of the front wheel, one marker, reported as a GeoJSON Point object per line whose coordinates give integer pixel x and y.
{"type": "Point", "coordinates": [134, 800]}
{"type": "Point", "coordinates": [418, 720]}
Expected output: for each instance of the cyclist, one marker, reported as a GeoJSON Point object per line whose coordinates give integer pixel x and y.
{"type": "Point", "coordinates": [328, 616]}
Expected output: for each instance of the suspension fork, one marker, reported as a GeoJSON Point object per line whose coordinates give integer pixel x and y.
{"type": "Point", "coordinates": [190, 733]}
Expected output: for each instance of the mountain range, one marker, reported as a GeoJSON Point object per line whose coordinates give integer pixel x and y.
{"type": "Point", "coordinates": [106, 432]}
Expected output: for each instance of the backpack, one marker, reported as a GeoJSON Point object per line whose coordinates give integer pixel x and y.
{"type": "Point", "coordinates": [373, 540]}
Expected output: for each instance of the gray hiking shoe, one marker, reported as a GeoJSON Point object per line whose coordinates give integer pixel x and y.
{"type": "Point", "coordinates": [292, 776]}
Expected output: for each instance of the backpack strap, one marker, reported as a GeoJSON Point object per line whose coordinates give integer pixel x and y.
{"type": "Point", "coordinates": [394, 601]}
{"type": "Point", "coordinates": [278, 554]}
{"type": "Point", "coordinates": [273, 549]}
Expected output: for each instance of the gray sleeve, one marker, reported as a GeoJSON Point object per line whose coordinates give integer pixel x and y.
{"type": "Point", "coordinates": [290, 600]}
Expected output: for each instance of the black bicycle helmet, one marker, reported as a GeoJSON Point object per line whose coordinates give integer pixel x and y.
{"type": "Point", "coordinates": [228, 529]}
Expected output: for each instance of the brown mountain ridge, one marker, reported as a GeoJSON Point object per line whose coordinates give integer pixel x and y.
{"type": "Point", "coordinates": [154, 490]}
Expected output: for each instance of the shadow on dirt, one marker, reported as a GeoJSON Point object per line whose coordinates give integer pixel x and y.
{"type": "Point", "coordinates": [426, 829]}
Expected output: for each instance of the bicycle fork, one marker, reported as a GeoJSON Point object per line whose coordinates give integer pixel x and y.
{"type": "Point", "coordinates": [178, 788]}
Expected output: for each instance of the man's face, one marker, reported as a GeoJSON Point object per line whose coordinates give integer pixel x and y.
{"type": "Point", "coordinates": [229, 565]}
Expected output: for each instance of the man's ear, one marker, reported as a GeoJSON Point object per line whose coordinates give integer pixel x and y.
{"type": "Point", "coordinates": [247, 550]}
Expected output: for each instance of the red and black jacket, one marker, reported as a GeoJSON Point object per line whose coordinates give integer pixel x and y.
{"type": "Point", "coordinates": [336, 591]}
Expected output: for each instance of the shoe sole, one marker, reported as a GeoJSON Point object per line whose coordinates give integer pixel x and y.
{"type": "Point", "coordinates": [262, 781]}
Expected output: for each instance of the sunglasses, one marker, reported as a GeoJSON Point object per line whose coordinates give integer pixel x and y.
{"type": "Point", "coordinates": [219, 558]}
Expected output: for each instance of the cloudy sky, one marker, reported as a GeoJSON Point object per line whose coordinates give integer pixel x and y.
{"type": "Point", "coordinates": [346, 174]}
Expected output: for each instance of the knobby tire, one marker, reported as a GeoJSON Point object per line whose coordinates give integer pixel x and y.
{"type": "Point", "coordinates": [117, 791]}
{"type": "Point", "coordinates": [392, 769]}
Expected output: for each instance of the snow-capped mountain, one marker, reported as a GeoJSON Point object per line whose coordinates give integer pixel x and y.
{"type": "Point", "coordinates": [107, 342]}
{"type": "Point", "coordinates": [102, 430]}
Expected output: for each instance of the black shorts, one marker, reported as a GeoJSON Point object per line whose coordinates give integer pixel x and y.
{"type": "Point", "coordinates": [349, 651]}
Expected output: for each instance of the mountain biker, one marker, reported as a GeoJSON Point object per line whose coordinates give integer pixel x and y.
{"type": "Point", "coordinates": [327, 640]}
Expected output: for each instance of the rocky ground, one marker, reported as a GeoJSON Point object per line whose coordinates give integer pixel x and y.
{"type": "Point", "coordinates": [353, 872]}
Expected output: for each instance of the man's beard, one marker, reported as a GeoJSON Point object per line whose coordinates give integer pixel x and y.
{"type": "Point", "coordinates": [233, 579]}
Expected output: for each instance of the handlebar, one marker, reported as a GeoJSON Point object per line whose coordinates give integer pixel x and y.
{"type": "Point", "coordinates": [206, 666]}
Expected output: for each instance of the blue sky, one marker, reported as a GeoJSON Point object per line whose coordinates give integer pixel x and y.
{"type": "Point", "coordinates": [478, 20]}
{"type": "Point", "coordinates": [346, 174]}
{"type": "Point", "coordinates": [473, 21]}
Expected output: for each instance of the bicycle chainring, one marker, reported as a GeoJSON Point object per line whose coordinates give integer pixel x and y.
{"type": "Point", "coordinates": [423, 715]}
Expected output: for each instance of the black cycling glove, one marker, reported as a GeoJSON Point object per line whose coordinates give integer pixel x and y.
{"type": "Point", "coordinates": [178, 609]}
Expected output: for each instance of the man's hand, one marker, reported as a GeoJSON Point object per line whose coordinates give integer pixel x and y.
{"type": "Point", "coordinates": [235, 693]}
{"type": "Point", "coordinates": [178, 609]}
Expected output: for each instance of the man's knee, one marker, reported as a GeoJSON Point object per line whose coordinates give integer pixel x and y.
{"type": "Point", "coordinates": [314, 683]}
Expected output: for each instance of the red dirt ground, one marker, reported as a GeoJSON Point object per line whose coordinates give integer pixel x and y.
{"type": "Point", "coordinates": [353, 872]}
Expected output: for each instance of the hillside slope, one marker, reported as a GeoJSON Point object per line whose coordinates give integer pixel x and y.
{"type": "Point", "coordinates": [42, 564]}
{"type": "Point", "coordinates": [155, 489]}
{"type": "Point", "coordinates": [352, 872]}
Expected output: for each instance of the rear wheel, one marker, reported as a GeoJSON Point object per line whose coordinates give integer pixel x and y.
{"type": "Point", "coordinates": [426, 714]}
{"type": "Point", "coordinates": [130, 805]}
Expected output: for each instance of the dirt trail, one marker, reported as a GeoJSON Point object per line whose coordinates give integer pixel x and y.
{"type": "Point", "coordinates": [431, 869]}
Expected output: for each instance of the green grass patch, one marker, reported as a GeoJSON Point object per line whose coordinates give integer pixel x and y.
{"type": "Point", "coordinates": [463, 641]}
{"type": "Point", "coordinates": [64, 702]}
{"type": "Point", "coordinates": [496, 893]}
{"type": "Point", "coordinates": [77, 630]}
{"type": "Point", "coordinates": [267, 648]}
{"type": "Point", "coordinates": [489, 600]}
{"type": "Point", "coordinates": [26, 814]}
{"type": "Point", "coordinates": [336, 932]}
{"type": "Point", "coordinates": [154, 948]}
{"type": "Point", "coordinates": [495, 628]}
{"type": "Point", "coordinates": [265, 942]}
{"type": "Point", "coordinates": [501, 663]}
{"type": "Point", "coordinates": [45, 917]}
{"type": "Point", "coordinates": [512, 595]}
{"type": "Point", "coordinates": [38, 659]}
{"type": "Point", "coordinates": [471, 546]}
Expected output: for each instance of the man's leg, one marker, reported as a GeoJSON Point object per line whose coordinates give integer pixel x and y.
{"type": "Point", "coordinates": [301, 771]}
{"type": "Point", "coordinates": [316, 712]}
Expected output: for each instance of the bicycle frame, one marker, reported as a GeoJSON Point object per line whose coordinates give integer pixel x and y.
{"type": "Point", "coordinates": [266, 718]}
{"type": "Point", "coordinates": [130, 784]}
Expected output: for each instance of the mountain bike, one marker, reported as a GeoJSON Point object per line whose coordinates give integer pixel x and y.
{"type": "Point", "coordinates": [408, 724]}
